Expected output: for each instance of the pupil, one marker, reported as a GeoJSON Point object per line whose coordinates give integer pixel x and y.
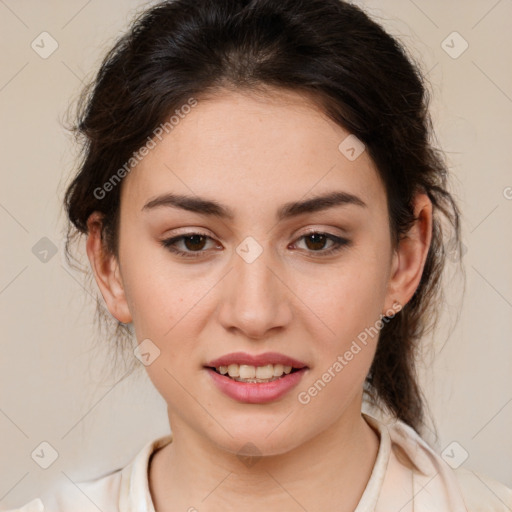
{"type": "Point", "coordinates": [318, 238]}
{"type": "Point", "coordinates": [193, 238]}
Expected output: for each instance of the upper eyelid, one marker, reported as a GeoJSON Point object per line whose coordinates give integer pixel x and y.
{"type": "Point", "coordinates": [298, 236]}
{"type": "Point", "coordinates": [342, 232]}
{"type": "Point", "coordinates": [335, 239]}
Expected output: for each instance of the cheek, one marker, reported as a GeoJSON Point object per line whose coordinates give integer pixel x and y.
{"type": "Point", "coordinates": [153, 290]}
{"type": "Point", "coordinates": [167, 310]}
{"type": "Point", "coordinates": [345, 299]}
{"type": "Point", "coordinates": [162, 305]}
{"type": "Point", "coordinates": [167, 303]}
{"type": "Point", "coordinates": [146, 289]}
{"type": "Point", "coordinates": [349, 309]}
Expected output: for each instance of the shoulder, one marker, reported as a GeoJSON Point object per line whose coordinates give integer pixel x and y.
{"type": "Point", "coordinates": [477, 492]}
{"type": "Point", "coordinates": [33, 506]}
{"type": "Point", "coordinates": [99, 494]}
{"type": "Point", "coordinates": [111, 492]}
{"type": "Point", "coordinates": [481, 492]}
{"type": "Point", "coordinates": [430, 481]}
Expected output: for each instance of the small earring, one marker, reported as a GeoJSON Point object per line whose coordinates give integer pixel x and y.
{"type": "Point", "coordinates": [390, 313]}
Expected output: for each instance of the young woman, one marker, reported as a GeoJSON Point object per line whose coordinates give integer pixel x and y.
{"type": "Point", "coordinates": [263, 210]}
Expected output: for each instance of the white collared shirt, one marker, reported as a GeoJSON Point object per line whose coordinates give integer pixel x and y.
{"type": "Point", "coordinates": [408, 476]}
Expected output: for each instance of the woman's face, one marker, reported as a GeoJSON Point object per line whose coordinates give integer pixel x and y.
{"type": "Point", "coordinates": [257, 281]}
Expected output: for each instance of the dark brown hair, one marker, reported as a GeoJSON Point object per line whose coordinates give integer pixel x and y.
{"type": "Point", "coordinates": [328, 50]}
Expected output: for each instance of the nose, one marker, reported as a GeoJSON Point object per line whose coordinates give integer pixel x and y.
{"type": "Point", "coordinates": [256, 297]}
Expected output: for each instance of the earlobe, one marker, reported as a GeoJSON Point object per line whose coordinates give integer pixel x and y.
{"type": "Point", "coordinates": [410, 257]}
{"type": "Point", "coordinates": [106, 271]}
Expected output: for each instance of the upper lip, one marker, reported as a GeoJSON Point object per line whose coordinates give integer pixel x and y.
{"type": "Point", "coordinates": [255, 360]}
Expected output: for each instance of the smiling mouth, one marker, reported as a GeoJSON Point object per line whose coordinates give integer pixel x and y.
{"type": "Point", "coordinates": [253, 374]}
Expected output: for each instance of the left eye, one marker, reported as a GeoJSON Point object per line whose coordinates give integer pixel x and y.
{"type": "Point", "coordinates": [194, 243]}
{"type": "Point", "coordinates": [317, 239]}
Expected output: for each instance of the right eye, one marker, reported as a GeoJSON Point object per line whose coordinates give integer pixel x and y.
{"type": "Point", "coordinates": [193, 243]}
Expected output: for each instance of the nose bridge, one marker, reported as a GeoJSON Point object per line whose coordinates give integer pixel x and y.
{"type": "Point", "coordinates": [253, 267]}
{"type": "Point", "coordinates": [256, 300]}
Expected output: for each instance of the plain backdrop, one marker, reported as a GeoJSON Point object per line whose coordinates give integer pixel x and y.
{"type": "Point", "coordinates": [54, 387]}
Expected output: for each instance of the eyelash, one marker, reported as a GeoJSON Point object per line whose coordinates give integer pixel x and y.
{"type": "Point", "coordinates": [339, 244]}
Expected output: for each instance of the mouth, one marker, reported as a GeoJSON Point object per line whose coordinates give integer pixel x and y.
{"type": "Point", "coordinates": [255, 367]}
{"type": "Point", "coordinates": [256, 384]}
{"type": "Point", "coordinates": [255, 374]}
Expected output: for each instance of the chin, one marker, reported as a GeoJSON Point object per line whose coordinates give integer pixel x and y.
{"type": "Point", "coordinates": [252, 440]}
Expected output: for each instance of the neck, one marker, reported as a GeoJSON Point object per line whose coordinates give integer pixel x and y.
{"type": "Point", "coordinates": [329, 471]}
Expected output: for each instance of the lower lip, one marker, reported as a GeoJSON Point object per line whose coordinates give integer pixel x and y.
{"type": "Point", "coordinates": [256, 392]}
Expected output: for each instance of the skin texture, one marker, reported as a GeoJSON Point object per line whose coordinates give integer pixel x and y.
{"type": "Point", "coordinates": [253, 154]}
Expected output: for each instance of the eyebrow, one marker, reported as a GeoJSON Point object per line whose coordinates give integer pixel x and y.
{"type": "Point", "coordinates": [204, 206]}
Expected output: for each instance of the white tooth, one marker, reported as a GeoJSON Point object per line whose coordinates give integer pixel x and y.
{"type": "Point", "coordinates": [234, 370]}
{"type": "Point", "coordinates": [265, 372]}
{"type": "Point", "coordinates": [278, 370]}
{"type": "Point", "coordinates": [247, 372]}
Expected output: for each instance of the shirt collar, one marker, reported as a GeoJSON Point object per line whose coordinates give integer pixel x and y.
{"type": "Point", "coordinates": [135, 496]}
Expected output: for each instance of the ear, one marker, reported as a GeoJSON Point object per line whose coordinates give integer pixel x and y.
{"type": "Point", "coordinates": [106, 270]}
{"type": "Point", "coordinates": [410, 256]}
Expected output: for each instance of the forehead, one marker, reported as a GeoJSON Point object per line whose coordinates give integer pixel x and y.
{"type": "Point", "coordinates": [260, 150]}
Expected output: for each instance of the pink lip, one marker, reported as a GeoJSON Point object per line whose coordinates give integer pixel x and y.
{"type": "Point", "coordinates": [255, 360]}
{"type": "Point", "coordinates": [254, 392]}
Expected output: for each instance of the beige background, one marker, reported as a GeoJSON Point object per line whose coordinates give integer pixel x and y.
{"type": "Point", "coordinates": [52, 388]}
